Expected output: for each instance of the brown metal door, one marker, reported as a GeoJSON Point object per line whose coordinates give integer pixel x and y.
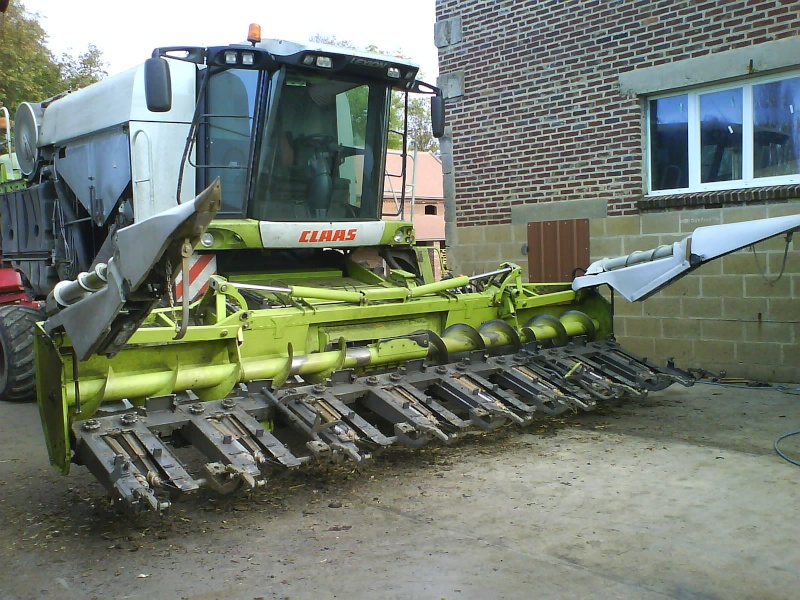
{"type": "Point", "coordinates": [556, 249]}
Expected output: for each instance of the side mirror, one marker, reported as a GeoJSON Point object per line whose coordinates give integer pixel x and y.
{"type": "Point", "coordinates": [437, 116]}
{"type": "Point", "coordinates": [157, 85]}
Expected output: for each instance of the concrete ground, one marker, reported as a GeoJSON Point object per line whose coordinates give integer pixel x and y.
{"type": "Point", "coordinates": [677, 496]}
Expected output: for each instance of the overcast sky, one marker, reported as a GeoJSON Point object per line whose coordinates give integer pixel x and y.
{"type": "Point", "coordinates": [127, 32]}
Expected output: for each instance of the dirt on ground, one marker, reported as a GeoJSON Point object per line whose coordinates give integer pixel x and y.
{"type": "Point", "coordinates": [680, 495]}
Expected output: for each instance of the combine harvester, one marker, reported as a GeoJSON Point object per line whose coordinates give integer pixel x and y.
{"type": "Point", "coordinates": [223, 298]}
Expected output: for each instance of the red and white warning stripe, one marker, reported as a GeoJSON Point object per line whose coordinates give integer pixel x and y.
{"type": "Point", "coordinates": [202, 267]}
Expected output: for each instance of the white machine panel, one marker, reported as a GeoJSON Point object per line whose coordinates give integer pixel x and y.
{"type": "Point", "coordinates": [321, 234]}
{"type": "Point", "coordinates": [115, 100]}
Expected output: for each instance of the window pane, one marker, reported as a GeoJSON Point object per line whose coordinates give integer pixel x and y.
{"type": "Point", "coordinates": [230, 100]}
{"type": "Point", "coordinates": [322, 160]}
{"type": "Point", "coordinates": [721, 136]}
{"type": "Point", "coordinates": [776, 128]}
{"type": "Point", "coordinates": [669, 143]}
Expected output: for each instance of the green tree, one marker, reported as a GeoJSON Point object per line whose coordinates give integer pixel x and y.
{"type": "Point", "coordinates": [29, 71]}
{"type": "Point", "coordinates": [332, 40]}
{"type": "Point", "coordinates": [396, 112]}
{"type": "Point", "coordinates": [419, 125]}
{"type": "Point", "coordinates": [87, 69]}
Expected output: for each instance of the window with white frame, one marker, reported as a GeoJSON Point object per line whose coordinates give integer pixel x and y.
{"type": "Point", "coordinates": [737, 136]}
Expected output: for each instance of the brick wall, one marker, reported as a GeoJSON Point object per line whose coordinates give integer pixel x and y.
{"type": "Point", "coordinates": [739, 314]}
{"type": "Point", "coordinates": [541, 117]}
{"type": "Point", "coordinates": [538, 120]}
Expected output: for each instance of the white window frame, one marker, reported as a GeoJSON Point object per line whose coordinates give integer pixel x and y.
{"type": "Point", "coordinates": [747, 181]}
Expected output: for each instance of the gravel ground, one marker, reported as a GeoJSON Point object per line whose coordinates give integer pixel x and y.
{"type": "Point", "coordinates": [680, 495]}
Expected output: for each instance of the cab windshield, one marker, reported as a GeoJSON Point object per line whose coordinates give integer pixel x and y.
{"type": "Point", "coordinates": [322, 154]}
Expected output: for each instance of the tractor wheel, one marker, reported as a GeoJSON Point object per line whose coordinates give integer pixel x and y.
{"type": "Point", "coordinates": [17, 371]}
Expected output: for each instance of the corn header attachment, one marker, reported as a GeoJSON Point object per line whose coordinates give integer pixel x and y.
{"type": "Point", "coordinates": [259, 375]}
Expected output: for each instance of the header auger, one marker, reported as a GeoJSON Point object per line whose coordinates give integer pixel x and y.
{"type": "Point", "coordinates": [222, 297]}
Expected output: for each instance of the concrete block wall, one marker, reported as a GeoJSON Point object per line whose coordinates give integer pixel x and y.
{"type": "Point", "coordinates": [538, 116]}
{"type": "Point", "coordinates": [533, 94]}
{"type": "Point", "coordinates": [483, 248]}
{"type": "Point", "coordinates": [738, 314]}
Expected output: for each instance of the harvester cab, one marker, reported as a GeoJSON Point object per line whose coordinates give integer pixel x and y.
{"type": "Point", "coordinates": [296, 134]}
{"type": "Point", "coordinates": [205, 229]}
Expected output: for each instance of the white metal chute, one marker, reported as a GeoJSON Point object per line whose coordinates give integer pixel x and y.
{"type": "Point", "coordinates": [639, 275]}
{"type": "Point", "coordinates": [714, 241]}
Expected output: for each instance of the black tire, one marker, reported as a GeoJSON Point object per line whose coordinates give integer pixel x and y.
{"type": "Point", "coordinates": [17, 369]}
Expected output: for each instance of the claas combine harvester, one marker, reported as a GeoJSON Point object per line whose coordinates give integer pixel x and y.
{"type": "Point", "coordinates": [218, 295]}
